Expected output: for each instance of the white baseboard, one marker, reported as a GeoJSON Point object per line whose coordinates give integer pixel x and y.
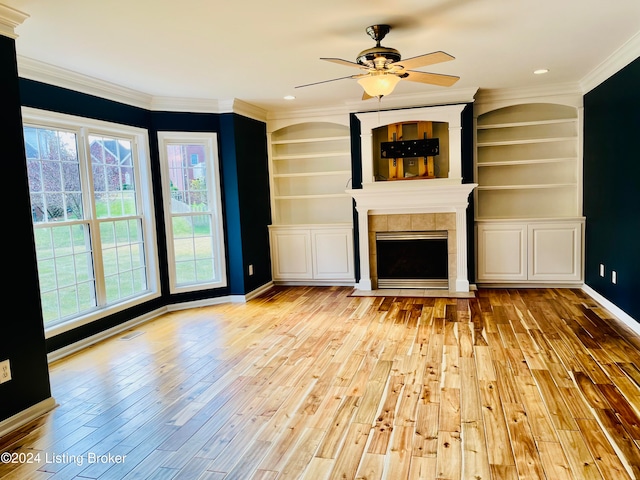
{"type": "Point", "coordinates": [98, 337]}
{"type": "Point", "coordinates": [259, 291]}
{"type": "Point", "coordinates": [26, 416]}
{"type": "Point", "coordinates": [207, 302]}
{"type": "Point", "coordinates": [611, 307]}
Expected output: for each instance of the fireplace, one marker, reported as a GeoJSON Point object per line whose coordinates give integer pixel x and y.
{"type": "Point", "coordinates": [412, 259]}
{"type": "Point", "coordinates": [415, 205]}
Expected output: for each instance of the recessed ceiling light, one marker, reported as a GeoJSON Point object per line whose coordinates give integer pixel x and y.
{"type": "Point", "coordinates": [289, 97]}
{"type": "Point", "coordinates": [541, 71]}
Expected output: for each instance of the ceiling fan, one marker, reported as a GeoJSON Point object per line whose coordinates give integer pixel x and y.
{"type": "Point", "coordinates": [385, 68]}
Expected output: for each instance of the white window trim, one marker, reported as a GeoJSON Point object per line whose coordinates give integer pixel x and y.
{"type": "Point", "coordinates": [32, 116]}
{"type": "Point", "coordinates": [210, 142]}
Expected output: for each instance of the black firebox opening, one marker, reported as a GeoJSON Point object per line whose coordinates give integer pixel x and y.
{"type": "Point", "coordinates": [412, 259]}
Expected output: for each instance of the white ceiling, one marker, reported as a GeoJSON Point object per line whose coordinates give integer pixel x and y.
{"type": "Point", "coordinates": [258, 51]}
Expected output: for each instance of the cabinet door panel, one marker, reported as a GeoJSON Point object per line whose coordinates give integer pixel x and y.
{"type": "Point", "coordinates": [292, 255]}
{"type": "Point", "coordinates": [555, 251]}
{"type": "Point", "coordinates": [333, 254]}
{"type": "Point", "coordinates": [502, 252]}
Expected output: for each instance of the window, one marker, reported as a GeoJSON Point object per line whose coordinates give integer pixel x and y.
{"type": "Point", "coordinates": [92, 217]}
{"type": "Point", "coordinates": [193, 210]}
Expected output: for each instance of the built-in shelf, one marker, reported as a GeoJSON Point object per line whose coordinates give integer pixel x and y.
{"type": "Point", "coordinates": [526, 162]}
{"type": "Point", "coordinates": [313, 174]}
{"type": "Point", "coordinates": [309, 155]}
{"type": "Point", "coordinates": [319, 196]}
{"type": "Point", "coordinates": [524, 187]}
{"type": "Point", "coordinates": [310, 140]}
{"type": "Point", "coordinates": [524, 141]}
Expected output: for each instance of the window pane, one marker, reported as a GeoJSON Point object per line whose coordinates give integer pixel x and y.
{"type": "Point", "coordinates": [111, 165]}
{"type": "Point", "coordinates": [193, 249]}
{"type": "Point", "coordinates": [65, 269]}
{"type": "Point", "coordinates": [54, 175]}
{"type": "Point", "coordinates": [123, 259]}
{"type": "Point", "coordinates": [187, 176]}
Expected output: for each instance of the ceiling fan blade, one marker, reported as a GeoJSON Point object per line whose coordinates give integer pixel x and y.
{"type": "Point", "coordinates": [327, 81]}
{"type": "Point", "coordinates": [424, 60]}
{"type": "Point", "coordinates": [431, 78]}
{"type": "Point", "coordinates": [340, 61]}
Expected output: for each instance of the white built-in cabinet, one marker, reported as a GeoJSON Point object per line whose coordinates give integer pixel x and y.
{"type": "Point", "coordinates": [534, 251]}
{"type": "Point", "coordinates": [310, 171]}
{"type": "Point", "coordinates": [528, 203]}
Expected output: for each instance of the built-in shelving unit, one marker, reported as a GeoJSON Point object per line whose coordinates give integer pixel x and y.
{"type": "Point", "coordinates": [311, 165]}
{"type": "Point", "coordinates": [312, 231]}
{"type": "Point", "coordinates": [529, 196]}
{"type": "Point", "coordinates": [527, 162]}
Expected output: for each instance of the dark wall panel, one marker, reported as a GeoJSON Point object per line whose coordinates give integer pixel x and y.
{"type": "Point", "coordinates": [22, 339]}
{"type": "Point", "coordinates": [254, 199]}
{"type": "Point", "coordinates": [57, 99]}
{"type": "Point", "coordinates": [233, 227]}
{"type": "Point", "coordinates": [612, 187]}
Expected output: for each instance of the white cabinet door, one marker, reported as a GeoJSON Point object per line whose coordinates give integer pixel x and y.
{"type": "Point", "coordinates": [502, 252]}
{"type": "Point", "coordinates": [291, 251]}
{"type": "Point", "coordinates": [333, 254]}
{"type": "Point", "coordinates": [555, 251]}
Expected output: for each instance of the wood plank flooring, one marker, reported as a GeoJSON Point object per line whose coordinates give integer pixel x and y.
{"type": "Point", "coordinates": [312, 383]}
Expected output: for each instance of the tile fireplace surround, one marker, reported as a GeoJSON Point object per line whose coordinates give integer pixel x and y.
{"type": "Point", "coordinates": [413, 205]}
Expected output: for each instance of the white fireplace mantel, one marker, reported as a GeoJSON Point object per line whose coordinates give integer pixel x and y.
{"type": "Point", "coordinates": [438, 195]}
{"type": "Point", "coordinates": [425, 198]}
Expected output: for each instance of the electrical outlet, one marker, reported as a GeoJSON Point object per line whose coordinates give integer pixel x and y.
{"type": "Point", "coordinates": [5, 371]}
{"type": "Point", "coordinates": [614, 277]}
{"type": "Point", "coordinates": [601, 270]}
{"type": "Point", "coordinates": [250, 269]}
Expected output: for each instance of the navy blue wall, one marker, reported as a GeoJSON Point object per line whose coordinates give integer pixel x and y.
{"type": "Point", "coordinates": [252, 208]}
{"type": "Point", "coordinates": [612, 187]}
{"type": "Point", "coordinates": [22, 339]}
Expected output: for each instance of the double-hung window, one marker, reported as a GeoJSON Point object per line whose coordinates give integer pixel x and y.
{"type": "Point", "coordinates": [91, 206]}
{"type": "Point", "coordinates": [193, 210]}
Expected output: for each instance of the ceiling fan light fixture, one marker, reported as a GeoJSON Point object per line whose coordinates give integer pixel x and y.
{"type": "Point", "coordinates": [379, 85]}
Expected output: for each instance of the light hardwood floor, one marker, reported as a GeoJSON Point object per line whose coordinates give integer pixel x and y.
{"type": "Point", "coordinates": [312, 383]}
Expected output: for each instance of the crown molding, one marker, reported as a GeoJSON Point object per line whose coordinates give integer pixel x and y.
{"type": "Point", "coordinates": [234, 105]}
{"type": "Point", "coordinates": [180, 104]}
{"type": "Point", "coordinates": [10, 18]}
{"type": "Point", "coordinates": [443, 97]}
{"type": "Point", "coordinates": [60, 77]}
{"type": "Point", "coordinates": [200, 105]}
{"type": "Point", "coordinates": [324, 112]}
{"type": "Point", "coordinates": [619, 59]}
{"type": "Point", "coordinates": [564, 93]}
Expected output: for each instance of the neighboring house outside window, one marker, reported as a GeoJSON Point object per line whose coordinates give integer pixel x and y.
{"type": "Point", "coordinates": [193, 210]}
{"type": "Point", "coordinates": [91, 205]}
